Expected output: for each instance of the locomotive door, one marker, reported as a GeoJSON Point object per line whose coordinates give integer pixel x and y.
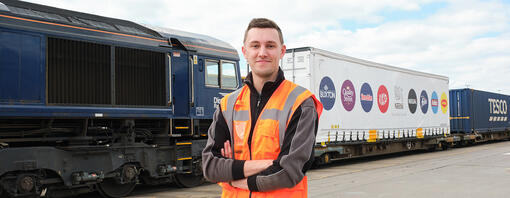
{"type": "Point", "coordinates": [180, 83]}
{"type": "Point", "coordinates": [213, 79]}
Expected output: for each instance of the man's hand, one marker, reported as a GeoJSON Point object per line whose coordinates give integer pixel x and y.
{"type": "Point", "coordinates": [226, 151]}
{"type": "Point", "coordinates": [242, 183]}
{"type": "Point", "coordinates": [251, 167]}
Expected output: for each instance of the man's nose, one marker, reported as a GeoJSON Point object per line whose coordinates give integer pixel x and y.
{"type": "Point", "coordinates": [262, 52]}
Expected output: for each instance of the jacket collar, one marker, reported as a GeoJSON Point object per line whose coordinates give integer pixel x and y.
{"type": "Point", "coordinates": [268, 86]}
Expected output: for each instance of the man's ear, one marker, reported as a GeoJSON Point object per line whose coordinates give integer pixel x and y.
{"type": "Point", "coordinates": [284, 49]}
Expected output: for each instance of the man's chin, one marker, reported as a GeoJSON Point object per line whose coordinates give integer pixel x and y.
{"type": "Point", "coordinates": [264, 74]}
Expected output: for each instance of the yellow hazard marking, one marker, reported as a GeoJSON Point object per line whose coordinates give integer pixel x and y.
{"type": "Point", "coordinates": [419, 133]}
{"type": "Point", "coordinates": [182, 127]}
{"type": "Point", "coordinates": [372, 135]}
{"type": "Point", "coordinates": [183, 143]}
{"type": "Point", "coordinates": [184, 158]}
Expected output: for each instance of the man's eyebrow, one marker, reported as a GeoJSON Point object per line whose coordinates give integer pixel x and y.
{"type": "Point", "coordinates": [270, 42]}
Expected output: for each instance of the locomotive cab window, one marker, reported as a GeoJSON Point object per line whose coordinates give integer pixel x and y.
{"type": "Point", "coordinates": [220, 74]}
{"type": "Point", "coordinates": [211, 73]}
{"type": "Point", "coordinates": [228, 75]}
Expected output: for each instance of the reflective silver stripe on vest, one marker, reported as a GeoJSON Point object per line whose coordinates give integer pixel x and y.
{"type": "Point", "coordinates": [243, 115]}
{"type": "Point", "coordinates": [283, 115]}
{"type": "Point", "coordinates": [228, 113]}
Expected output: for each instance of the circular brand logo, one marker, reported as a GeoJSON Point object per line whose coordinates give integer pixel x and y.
{"type": "Point", "coordinates": [434, 102]}
{"type": "Point", "coordinates": [348, 95]}
{"type": "Point", "coordinates": [327, 93]}
{"type": "Point", "coordinates": [444, 103]}
{"type": "Point", "coordinates": [383, 100]}
{"type": "Point", "coordinates": [424, 101]}
{"type": "Point", "coordinates": [411, 100]}
{"type": "Point", "coordinates": [366, 97]}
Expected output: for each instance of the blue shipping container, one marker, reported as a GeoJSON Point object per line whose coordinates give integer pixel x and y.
{"type": "Point", "coordinates": [478, 111]}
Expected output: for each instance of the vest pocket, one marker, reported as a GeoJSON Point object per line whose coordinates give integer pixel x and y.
{"type": "Point", "coordinates": [266, 144]}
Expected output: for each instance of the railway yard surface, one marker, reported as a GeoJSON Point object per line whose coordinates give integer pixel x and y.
{"type": "Point", "coordinates": [476, 171]}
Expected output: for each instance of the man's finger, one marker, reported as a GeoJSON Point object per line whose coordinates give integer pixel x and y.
{"type": "Point", "coordinates": [228, 149]}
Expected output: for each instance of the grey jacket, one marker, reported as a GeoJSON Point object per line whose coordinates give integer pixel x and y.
{"type": "Point", "coordinates": [296, 150]}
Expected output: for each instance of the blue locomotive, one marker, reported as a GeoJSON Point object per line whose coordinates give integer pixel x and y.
{"type": "Point", "coordinates": [90, 102]}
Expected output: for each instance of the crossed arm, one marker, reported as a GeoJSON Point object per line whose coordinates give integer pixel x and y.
{"type": "Point", "coordinates": [251, 167]}
{"type": "Point", "coordinates": [294, 159]}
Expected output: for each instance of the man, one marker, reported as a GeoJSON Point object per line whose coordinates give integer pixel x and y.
{"type": "Point", "coordinates": [262, 136]}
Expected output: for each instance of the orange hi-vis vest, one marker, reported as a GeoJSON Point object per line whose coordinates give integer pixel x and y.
{"type": "Point", "coordinates": [268, 132]}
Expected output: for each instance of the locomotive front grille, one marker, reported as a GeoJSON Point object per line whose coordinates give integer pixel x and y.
{"type": "Point", "coordinates": [140, 77]}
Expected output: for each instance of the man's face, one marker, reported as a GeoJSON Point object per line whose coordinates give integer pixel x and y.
{"type": "Point", "coordinates": [263, 51]}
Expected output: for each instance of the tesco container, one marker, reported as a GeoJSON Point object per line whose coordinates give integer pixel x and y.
{"type": "Point", "coordinates": [368, 101]}
{"type": "Point", "coordinates": [478, 111]}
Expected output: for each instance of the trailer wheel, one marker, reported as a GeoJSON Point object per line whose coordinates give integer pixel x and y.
{"type": "Point", "coordinates": [326, 158]}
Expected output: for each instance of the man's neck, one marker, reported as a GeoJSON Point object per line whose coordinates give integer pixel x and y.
{"type": "Point", "coordinates": [258, 82]}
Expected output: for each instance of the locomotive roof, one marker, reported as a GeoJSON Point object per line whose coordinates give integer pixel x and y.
{"type": "Point", "coordinates": [195, 42]}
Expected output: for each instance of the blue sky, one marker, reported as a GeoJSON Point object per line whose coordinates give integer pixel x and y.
{"type": "Point", "coordinates": [466, 40]}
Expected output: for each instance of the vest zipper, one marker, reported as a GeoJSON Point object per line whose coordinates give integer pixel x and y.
{"type": "Point", "coordinates": [258, 104]}
{"type": "Point", "coordinates": [253, 128]}
{"type": "Point", "coordinates": [251, 131]}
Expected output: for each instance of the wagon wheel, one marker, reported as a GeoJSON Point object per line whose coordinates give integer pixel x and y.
{"type": "Point", "coordinates": [326, 158]}
{"type": "Point", "coordinates": [109, 188]}
{"type": "Point", "coordinates": [188, 180]}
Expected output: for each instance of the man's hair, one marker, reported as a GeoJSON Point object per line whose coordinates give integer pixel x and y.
{"type": "Point", "coordinates": [263, 23]}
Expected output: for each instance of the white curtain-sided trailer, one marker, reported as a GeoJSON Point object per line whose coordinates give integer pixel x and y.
{"type": "Point", "coordinates": [370, 108]}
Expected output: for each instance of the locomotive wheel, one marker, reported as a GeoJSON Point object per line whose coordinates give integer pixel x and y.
{"type": "Point", "coordinates": [188, 180]}
{"type": "Point", "coordinates": [109, 188]}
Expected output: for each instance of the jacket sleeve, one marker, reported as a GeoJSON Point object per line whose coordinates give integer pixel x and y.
{"type": "Point", "coordinates": [217, 168]}
{"type": "Point", "coordinates": [296, 154]}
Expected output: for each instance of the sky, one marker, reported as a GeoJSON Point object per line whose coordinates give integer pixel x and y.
{"type": "Point", "coordinates": [465, 40]}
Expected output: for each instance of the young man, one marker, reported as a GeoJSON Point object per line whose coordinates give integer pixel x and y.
{"type": "Point", "coordinates": [262, 136]}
